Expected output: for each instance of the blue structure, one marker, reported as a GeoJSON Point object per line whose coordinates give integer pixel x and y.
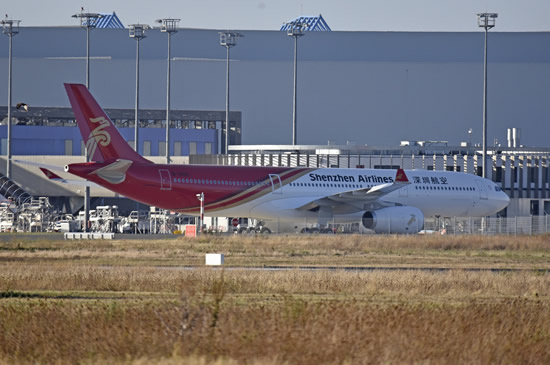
{"type": "Point", "coordinates": [108, 21]}
{"type": "Point", "coordinates": [314, 24]}
{"type": "Point", "coordinates": [50, 141]}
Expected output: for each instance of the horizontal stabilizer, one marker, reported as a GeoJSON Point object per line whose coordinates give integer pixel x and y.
{"type": "Point", "coordinates": [54, 177]}
{"type": "Point", "coordinates": [38, 164]}
{"type": "Point", "coordinates": [114, 173]}
{"type": "Point", "coordinates": [50, 175]}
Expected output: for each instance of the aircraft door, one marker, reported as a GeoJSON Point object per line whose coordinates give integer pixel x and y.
{"type": "Point", "coordinates": [276, 184]}
{"type": "Point", "coordinates": [482, 190]}
{"type": "Point", "coordinates": [165, 180]}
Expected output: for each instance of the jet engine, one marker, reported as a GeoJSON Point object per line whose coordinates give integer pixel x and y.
{"type": "Point", "coordinates": [394, 220]}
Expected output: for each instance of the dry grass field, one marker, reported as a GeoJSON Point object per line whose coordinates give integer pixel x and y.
{"type": "Point", "coordinates": [147, 301]}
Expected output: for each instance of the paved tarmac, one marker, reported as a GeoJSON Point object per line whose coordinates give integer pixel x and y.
{"type": "Point", "coordinates": [352, 268]}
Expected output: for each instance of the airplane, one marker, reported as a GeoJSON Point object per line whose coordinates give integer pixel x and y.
{"type": "Point", "coordinates": [383, 201]}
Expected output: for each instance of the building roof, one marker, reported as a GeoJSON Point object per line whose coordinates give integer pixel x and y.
{"type": "Point", "coordinates": [313, 23]}
{"type": "Point", "coordinates": [109, 21]}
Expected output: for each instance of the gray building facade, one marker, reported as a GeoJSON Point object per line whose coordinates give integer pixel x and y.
{"type": "Point", "coordinates": [374, 88]}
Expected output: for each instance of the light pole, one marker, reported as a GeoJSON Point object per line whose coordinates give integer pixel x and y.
{"type": "Point", "coordinates": [296, 30]}
{"type": "Point", "coordinates": [88, 21]}
{"type": "Point", "coordinates": [487, 21]}
{"type": "Point", "coordinates": [168, 25]}
{"type": "Point", "coordinates": [137, 31]}
{"type": "Point", "coordinates": [227, 40]}
{"type": "Point", "coordinates": [10, 28]}
{"type": "Point", "coordinates": [201, 217]}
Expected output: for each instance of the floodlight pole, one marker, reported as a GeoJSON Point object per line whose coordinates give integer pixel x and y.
{"type": "Point", "coordinates": [201, 212]}
{"type": "Point", "coordinates": [169, 26]}
{"type": "Point", "coordinates": [487, 21]}
{"type": "Point", "coordinates": [296, 30]}
{"type": "Point", "coordinates": [10, 28]}
{"type": "Point", "coordinates": [137, 31]}
{"type": "Point", "coordinates": [227, 40]}
{"type": "Point", "coordinates": [87, 21]}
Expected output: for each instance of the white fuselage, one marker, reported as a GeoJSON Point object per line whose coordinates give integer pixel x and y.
{"type": "Point", "coordinates": [435, 193]}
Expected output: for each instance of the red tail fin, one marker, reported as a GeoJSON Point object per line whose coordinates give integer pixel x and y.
{"type": "Point", "coordinates": [100, 135]}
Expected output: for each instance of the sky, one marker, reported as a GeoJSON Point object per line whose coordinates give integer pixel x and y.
{"type": "Point", "coordinates": [341, 15]}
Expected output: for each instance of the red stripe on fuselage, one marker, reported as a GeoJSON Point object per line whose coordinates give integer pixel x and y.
{"type": "Point", "coordinates": [257, 190]}
{"type": "Point", "coordinates": [223, 186]}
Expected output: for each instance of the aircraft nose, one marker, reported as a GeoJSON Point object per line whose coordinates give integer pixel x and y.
{"type": "Point", "coordinates": [504, 199]}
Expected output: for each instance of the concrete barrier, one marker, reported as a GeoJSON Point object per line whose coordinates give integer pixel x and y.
{"type": "Point", "coordinates": [88, 236]}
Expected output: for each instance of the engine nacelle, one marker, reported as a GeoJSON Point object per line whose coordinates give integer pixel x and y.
{"type": "Point", "coordinates": [394, 220]}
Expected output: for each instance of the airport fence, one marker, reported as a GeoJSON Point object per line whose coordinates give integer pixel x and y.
{"type": "Point", "coordinates": [530, 225]}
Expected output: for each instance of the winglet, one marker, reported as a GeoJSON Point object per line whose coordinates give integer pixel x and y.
{"type": "Point", "coordinates": [50, 175]}
{"type": "Point", "coordinates": [401, 176]}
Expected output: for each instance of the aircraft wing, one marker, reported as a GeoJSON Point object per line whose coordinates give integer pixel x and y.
{"type": "Point", "coordinates": [356, 200]}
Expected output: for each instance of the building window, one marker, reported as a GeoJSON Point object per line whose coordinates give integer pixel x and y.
{"type": "Point", "coordinates": [68, 147]}
{"type": "Point", "coordinates": [147, 148]}
{"type": "Point", "coordinates": [208, 148]}
{"type": "Point", "coordinates": [162, 148]}
{"type": "Point", "coordinates": [192, 148]}
{"type": "Point", "coordinates": [131, 143]}
{"type": "Point", "coordinates": [82, 149]}
{"type": "Point", "coordinates": [534, 208]}
{"type": "Point", "coordinates": [532, 171]}
{"type": "Point", "coordinates": [177, 148]}
{"type": "Point", "coordinates": [498, 174]}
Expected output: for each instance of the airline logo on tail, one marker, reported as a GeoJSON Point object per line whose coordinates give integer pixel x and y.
{"type": "Point", "coordinates": [102, 139]}
{"type": "Point", "coordinates": [400, 176]}
{"type": "Point", "coordinates": [98, 135]}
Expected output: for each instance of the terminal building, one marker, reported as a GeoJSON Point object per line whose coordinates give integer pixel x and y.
{"type": "Point", "coordinates": [357, 92]}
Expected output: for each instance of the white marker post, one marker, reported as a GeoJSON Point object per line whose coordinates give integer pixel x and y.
{"type": "Point", "coordinates": [214, 259]}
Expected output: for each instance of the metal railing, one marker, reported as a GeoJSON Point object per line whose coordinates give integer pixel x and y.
{"type": "Point", "coordinates": [475, 225]}
{"type": "Point", "coordinates": [530, 225]}
{"type": "Point", "coordinates": [10, 190]}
